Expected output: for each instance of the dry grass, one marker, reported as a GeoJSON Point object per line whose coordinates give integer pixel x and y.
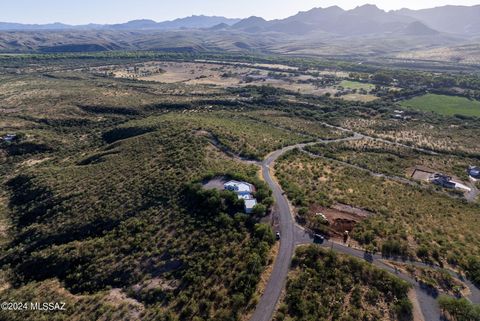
{"type": "Point", "coordinates": [359, 97]}
{"type": "Point", "coordinates": [441, 136]}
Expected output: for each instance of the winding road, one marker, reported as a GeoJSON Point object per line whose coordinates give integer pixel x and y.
{"type": "Point", "coordinates": [293, 235]}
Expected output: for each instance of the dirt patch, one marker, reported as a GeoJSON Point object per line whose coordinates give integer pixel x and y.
{"type": "Point", "coordinates": [358, 97]}
{"type": "Point", "coordinates": [339, 220]}
{"type": "Point", "coordinates": [118, 298]}
{"type": "Point", "coordinates": [202, 133]}
{"type": "Point", "coordinates": [417, 311]}
{"type": "Point", "coordinates": [352, 210]}
{"type": "Point", "coordinates": [32, 162]}
{"type": "Point", "coordinates": [220, 74]}
{"type": "Point", "coordinates": [215, 183]}
{"type": "Point", "coordinates": [421, 173]}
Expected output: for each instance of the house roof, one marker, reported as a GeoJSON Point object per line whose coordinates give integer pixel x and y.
{"type": "Point", "coordinates": [474, 171]}
{"type": "Point", "coordinates": [239, 187]}
{"type": "Point", "coordinates": [250, 203]}
{"type": "Point", "coordinates": [9, 137]}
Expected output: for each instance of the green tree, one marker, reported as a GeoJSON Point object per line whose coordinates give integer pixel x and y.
{"type": "Point", "coordinates": [259, 210]}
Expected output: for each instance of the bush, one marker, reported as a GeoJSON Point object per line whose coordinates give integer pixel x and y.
{"type": "Point", "coordinates": [404, 309]}
{"type": "Point", "coordinates": [459, 309]}
{"type": "Point", "coordinates": [259, 210]}
{"type": "Point", "coordinates": [264, 232]}
{"type": "Point", "coordinates": [473, 269]}
{"type": "Point", "coordinates": [393, 248]}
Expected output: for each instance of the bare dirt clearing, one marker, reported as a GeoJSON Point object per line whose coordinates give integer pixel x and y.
{"type": "Point", "coordinates": [340, 218]}
{"type": "Point", "coordinates": [215, 183]}
{"type": "Point", "coordinates": [228, 75]}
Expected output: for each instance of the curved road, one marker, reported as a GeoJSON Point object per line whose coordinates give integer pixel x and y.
{"type": "Point", "coordinates": [292, 235]}
{"type": "Point", "coordinates": [289, 236]}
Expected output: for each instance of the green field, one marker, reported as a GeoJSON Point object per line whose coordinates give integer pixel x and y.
{"type": "Point", "coordinates": [348, 84]}
{"type": "Point", "coordinates": [444, 105]}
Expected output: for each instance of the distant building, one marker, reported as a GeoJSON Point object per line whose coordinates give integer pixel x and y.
{"type": "Point", "coordinates": [244, 191]}
{"type": "Point", "coordinates": [400, 114]}
{"type": "Point", "coordinates": [251, 78]}
{"type": "Point", "coordinates": [474, 172]}
{"type": "Point", "coordinates": [443, 180]}
{"type": "Point", "coordinates": [9, 138]}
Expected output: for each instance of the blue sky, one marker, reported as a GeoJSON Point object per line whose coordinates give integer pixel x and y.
{"type": "Point", "coordinates": [113, 11]}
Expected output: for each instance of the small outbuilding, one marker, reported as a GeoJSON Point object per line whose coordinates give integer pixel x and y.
{"type": "Point", "coordinates": [9, 138]}
{"type": "Point", "coordinates": [443, 180]}
{"type": "Point", "coordinates": [474, 172]}
{"type": "Point", "coordinates": [249, 205]}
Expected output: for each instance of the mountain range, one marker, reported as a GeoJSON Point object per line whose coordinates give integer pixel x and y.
{"type": "Point", "coordinates": [369, 19]}
{"type": "Point", "coordinates": [365, 30]}
{"type": "Point", "coordinates": [366, 19]}
{"type": "Point", "coordinates": [193, 22]}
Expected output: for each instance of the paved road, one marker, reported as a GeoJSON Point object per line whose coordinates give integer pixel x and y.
{"type": "Point", "coordinates": [288, 229]}
{"type": "Point", "coordinates": [266, 306]}
{"type": "Point", "coordinates": [292, 235]}
{"type": "Point", "coordinates": [426, 299]}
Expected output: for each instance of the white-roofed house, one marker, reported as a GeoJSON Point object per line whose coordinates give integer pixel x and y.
{"type": "Point", "coordinates": [244, 191]}
{"type": "Point", "coordinates": [241, 188]}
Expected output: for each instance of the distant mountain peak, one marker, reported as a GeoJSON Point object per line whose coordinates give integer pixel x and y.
{"type": "Point", "coordinates": [142, 20]}
{"type": "Point", "coordinates": [418, 28]}
{"type": "Point", "coordinates": [220, 26]}
{"type": "Point", "coordinates": [367, 8]}
{"type": "Point", "coordinates": [255, 18]}
{"type": "Point", "coordinates": [333, 8]}
{"type": "Point", "coordinates": [252, 23]}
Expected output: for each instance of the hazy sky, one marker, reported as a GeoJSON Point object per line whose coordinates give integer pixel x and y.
{"type": "Point", "coordinates": [113, 11]}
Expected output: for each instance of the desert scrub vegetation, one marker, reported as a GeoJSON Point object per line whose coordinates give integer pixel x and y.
{"type": "Point", "coordinates": [391, 159]}
{"type": "Point", "coordinates": [348, 84]}
{"type": "Point", "coordinates": [81, 96]}
{"type": "Point", "coordinates": [434, 279]}
{"type": "Point", "coordinates": [297, 124]}
{"type": "Point", "coordinates": [323, 285]}
{"type": "Point", "coordinates": [441, 134]}
{"type": "Point", "coordinates": [107, 305]}
{"type": "Point", "coordinates": [241, 135]}
{"type": "Point", "coordinates": [117, 216]}
{"type": "Point", "coordinates": [458, 309]}
{"type": "Point", "coordinates": [408, 221]}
